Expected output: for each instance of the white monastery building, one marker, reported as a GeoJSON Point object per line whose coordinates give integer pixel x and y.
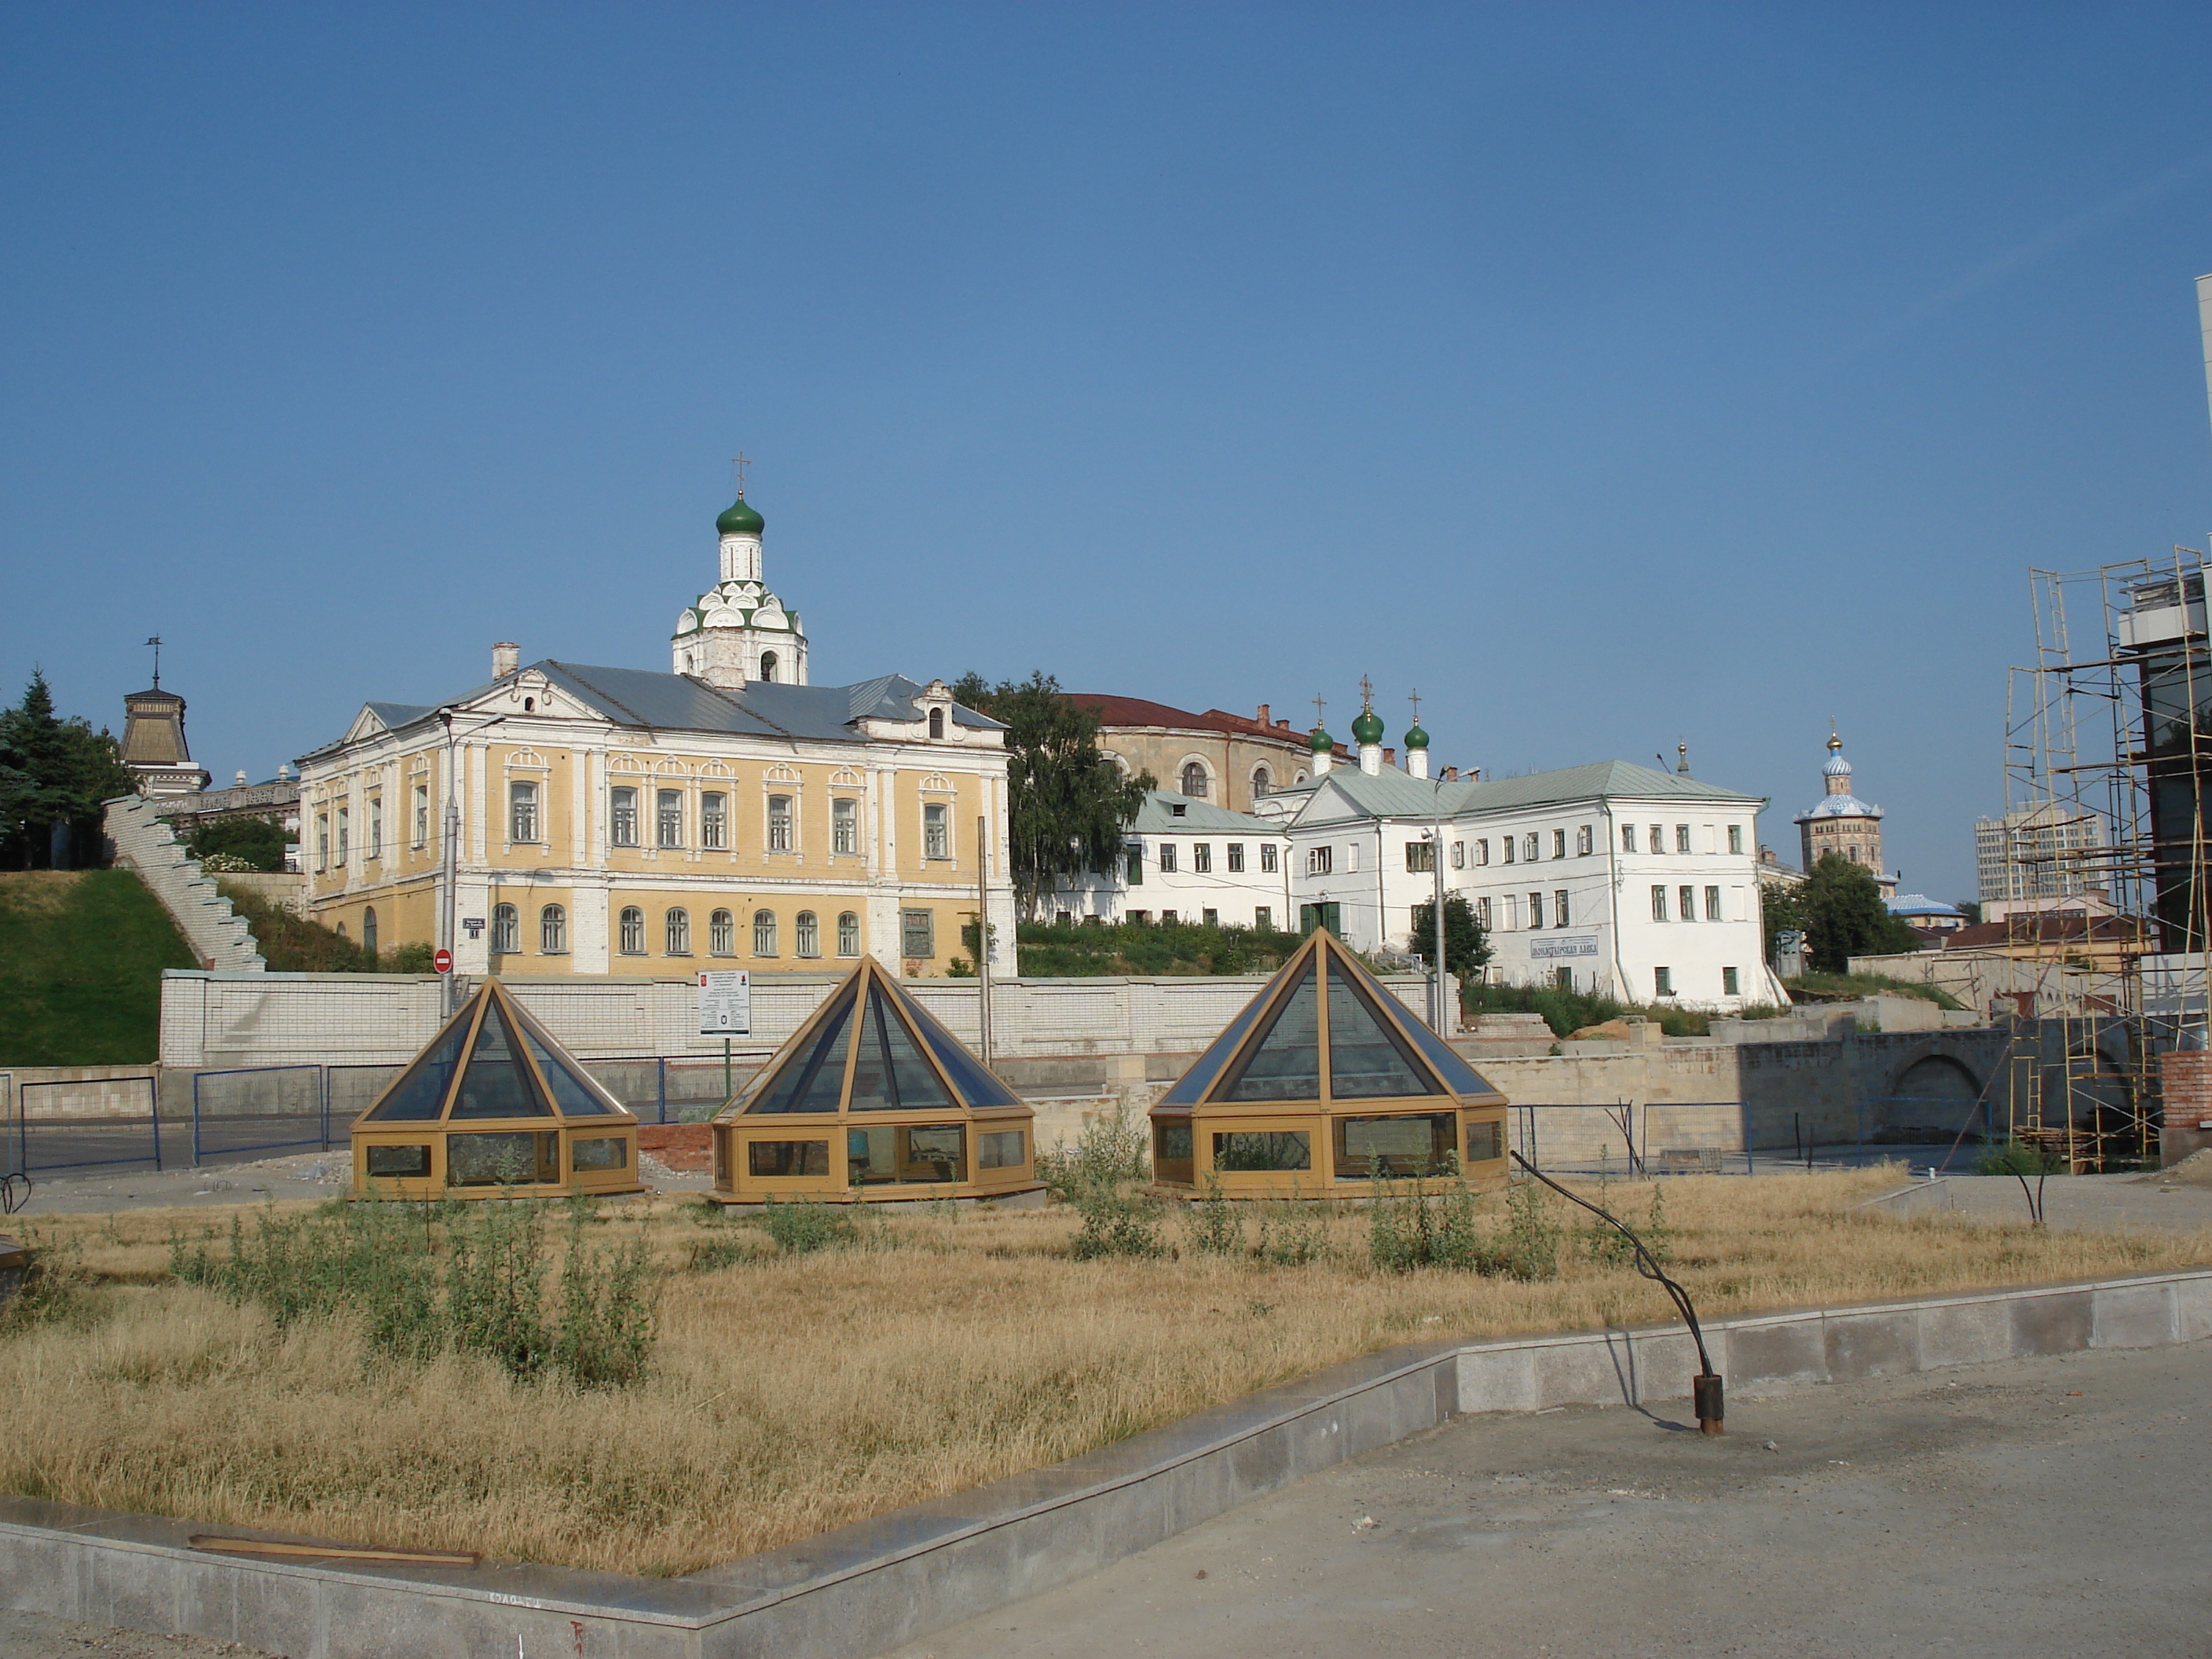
{"type": "Point", "coordinates": [1186, 860]}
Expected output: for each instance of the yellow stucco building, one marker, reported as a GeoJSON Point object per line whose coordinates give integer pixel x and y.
{"type": "Point", "coordinates": [565, 818]}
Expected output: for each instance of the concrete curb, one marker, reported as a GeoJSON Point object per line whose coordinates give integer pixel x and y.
{"type": "Point", "coordinates": [865, 1587]}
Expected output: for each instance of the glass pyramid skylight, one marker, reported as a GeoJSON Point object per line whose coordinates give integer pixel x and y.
{"type": "Point", "coordinates": [492, 1060]}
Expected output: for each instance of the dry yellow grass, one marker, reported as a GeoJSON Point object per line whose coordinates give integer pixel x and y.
{"type": "Point", "coordinates": [793, 1395]}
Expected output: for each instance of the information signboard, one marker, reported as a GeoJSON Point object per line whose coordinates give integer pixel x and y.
{"type": "Point", "coordinates": [726, 1005]}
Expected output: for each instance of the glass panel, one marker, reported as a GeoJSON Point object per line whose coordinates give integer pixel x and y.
{"type": "Point", "coordinates": [1459, 1077]}
{"type": "Point", "coordinates": [1285, 1064]}
{"type": "Point", "coordinates": [773, 1158]}
{"type": "Point", "coordinates": [977, 1086]}
{"type": "Point", "coordinates": [812, 1079]}
{"type": "Point", "coordinates": [600, 1152]}
{"type": "Point", "coordinates": [502, 1158]}
{"type": "Point", "coordinates": [890, 1071]}
{"type": "Point", "coordinates": [1263, 1148]}
{"type": "Point", "coordinates": [999, 1149]}
{"type": "Point", "coordinates": [1367, 1058]}
{"type": "Point", "coordinates": [421, 1092]}
{"type": "Point", "coordinates": [495, 1082]}
{"type": "Point", "coordinates": [1485, 1142]}
{"type": "Point", "coordinates": [1190, 1088]}
{"type": "Point", "coordinates": [876, 1157]}
{"type": "Point", "coordinates": [1171, 1153]}
{"type": "Point", "coordinates": [573, 1094]}
{"type": "Point", "coordinates": [1405, 1146]}
{"type": "Point", "coordinates": [399, 1161]}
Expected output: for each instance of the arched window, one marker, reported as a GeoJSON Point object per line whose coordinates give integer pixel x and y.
{"type": "Point", "coordinates": [806, 934]}
{"type": "Point", "coordinates": [763, 933]}
{"type": "Point", "coordinates": [1301, 777]}
{"type": "Point", "coordinates": [767, 665]}
{"type": "Point", "coordinates": [553, 930]}
{"type": "Point", "coordinates": [368, 930]}
{"type": "Point", "coordinates": [1193, 780]}
{"type": "Point", "coordinates": [937, 722]}
{"type": "Point", "coordinates": [506, 931]}
{"type": "Point", "coordinates": [633, 931]}
{"type": "Point", "coordinates": [722, 934]}
{"type": "Point", "coordinates": [849, 933]}
{"type": "Point", "coordinates": [1263, 780]}
{"type": "Point", "coordinates": [676, 930]}
{"type": "Point", "coordinates": [340, 930]}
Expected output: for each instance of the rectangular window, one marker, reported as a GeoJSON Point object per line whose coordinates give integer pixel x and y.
{"type": "Point", "coordinates": [1210, 918]}
{"type": "Point", "coordinates": [1201, 857]}
{"type": "Point", "coordinates": [1564, 978]}
{"type": "Point", "coordinates": [1235, 858]}
{"type": "Point", "coordinates": [1482, 851]}
{"type": "Point", "coordinates": [936, 831]}
{"type": "Point", "coordinates": [1681, 837]}
{"type": "Point", "coordinates": [774, 1159]}
{"type": "Point", "coordinates": [1140, 918]}
{"type": "Point", "coordinates": [779, 824]}
{"type": "Point", "coordinates": [1167, 858]}
{"type": "Point", "coordinates": [622, 817]}
{"type": "Point", "coordinates": [345, 816]}
{"type": "Point", "coordinates": [1560, 908]}
{"type": "Point", "coordinates": [1585, 842]}
{"type": "Point", "coordinates": [398, 1160]}
{"type": "Point", "coordinates": [600, 1152]}
{"type": "Point", "coordinates": [1459, 855]}
{"type": "Point", "coordinates": [844, 826]}
{"type": "Point", "coordinates": [999, 1149]}
{"type": "Point", "coordinates": [1528, 847]}
{"type": "Point", "coordinates": [1136, 865]}
{"type": "Point", "coordinates": [714, 820]}
{"type": "Point", "coordinates": [1168, 918]}
{"type": "Point", "coordinates": [522, 812]}
{"type": "Point", "coordinates": [1729, 984]}
{"type": "Point", "coordinates": [1657, 843]}
{"type": "Point", "coordinates": [1628, 838]}
{"type": "Point", "coordinates": [1689, 910]}
{"type": "Point", "coordinates": [1712, 904]}
{"type": "Point", "coordinates": [1735, 838]}
{"type": "Point", "coordinates": [1662, 980]}
{"type": "Point", "coordinates": [918, 933]}
{"type": "Point", "coordinates": [1504, 846]}
{"type": "Point", "coordinates": [421, 814]}
{"type": "Point", "coordinates": [1658, 904]}
{"type": "Point", "coordinates": [668, 818]}
{"type": "Point", "coordinates": [1536, 910]}
{"type": "Point", "coordinates": [1396, 1147]}
{"type": "Point", "coordinates": [376, 826]}
{"type": "Point", "coordinates": [1268, 858]}
{"type": "Point", "coordinates": [322, 841]}
{"type": "Point", "coordinates": [1558, 843]}
{"type": "Point", "coordinates": [1482, 914]}
{"type": "Point", "coordinates": [1263, 919]}
{"type": "Point", "coordinates": [1263, 1148]}
{"type": "Point", "coordinates": [1420, 857]}
{"type": "Point", "coordinates": [1320, 860]}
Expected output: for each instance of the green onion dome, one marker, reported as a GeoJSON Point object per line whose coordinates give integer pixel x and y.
{"type": "Point", "coordinates": [1320, 743]}
{"type": "Point", "coordinates": [740, 519]}
{"type": "Point", "coordinates": [1367, 729]}
{"type": "Point", "coordinates": [1417, 738]}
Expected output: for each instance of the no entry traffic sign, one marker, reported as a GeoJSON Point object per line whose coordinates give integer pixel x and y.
{"type": "Point", "coordinates": [443, 962]}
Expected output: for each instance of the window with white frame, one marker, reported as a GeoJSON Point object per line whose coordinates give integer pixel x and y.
{"type": "Point", "coordinates": [1459, 855]}
{"type": "Point", "coordinates": [763, 933]}
{"type": "Point", "coordinates": [844, 825]}
{"type": "Point", "coordinates": [1201, 857]}
{"type": "Point", "coordinates": [1735, 845]}
{"type": "Point", "coordinates": [1560, 908]}
{"type": "Point", "coordinates": [1195, 781]}
{"type": "Point", "coordinates": [1320, 860]}
{"type": "Point", "coordinates": [322, 841]}
{"type": "Point", "coordinates": [1585, 840]}
{"type": "Point", "coordinates": [1662, 982]}
{"type": "Point", "coordinates": [622, 816]}
{"type": "Point", "coordinates": [1689, 907]}
{"type": "Point", "coordinates": [345, 817]}
{"type": "Point", "coordinates": [675, 933]}
{"type": "Point", "coordinates": [1681, 837]}
{"type": "Point", "coordinates": [1263, 918]}
{"type": "Point", "coordinates": [1628, 838]}
{"type": "Point", "coordinates": [848, 933]}
{"type": "Point", "coordinates": [1658, 904]}
{"type": "Point", "coordinates": [1235, 858]}
{"type": "Point", "coordinates": [553, 931]}
{"type": "Point", "coordinates": [1558, 843]}
{"type": "Point", "coordinates": [1482, 914]}
{"type": "Point", "coordinates": [722, 934]}
{"type": "Point", "coordinates": [1266, 857]}
{"type": "Point", "coordinates": [630, 935]}
{"type": "Point", "coordinates": [1263, 783]}
{"type": "Point", "coordinates": [1712, 904]}
{"type": "Point", "coordinates": [522, 810]}
{"type": "Point", "coordinates": [917, 935]}
{"type": "Point", "coordinates": [1528, 847]}
{"type": "Point", "coordinates": [1507, 848]}
{"type": "Point", "coordinates": [1420, 857]}
{"type": "Point", "coordinates": [806, 934]}
{"type": "Point", "coordinates": [715, 820]}
{"type": "Point", "coordinates": [1482, 850]}
{"type": "Point", "coordinates": [506, 931]}
{"type": "Point", "coordinates": [376, 826]}
{"type": "Point", "coordinates": [1209, 918]}
{"type": "Point", "coordinates": [1167, 858]}
{"type": "Point", "coordinates": [1731, 985]}
{"type": "Point", "coordinates": [937, 831]}
{"type": "Point", "coordinates": [1535, 911]}
{"type": "Point", "coordinates": [421, 814]}
{"type": "Point", "coordinates": [1657, 842]}
{"type": "Point", "coordinates": [668, 818]}
{"type": "Point", "coordinates": [779, 825]}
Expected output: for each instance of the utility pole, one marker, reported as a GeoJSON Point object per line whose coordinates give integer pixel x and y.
{"type": "Point", "coordinates": [983, 934]}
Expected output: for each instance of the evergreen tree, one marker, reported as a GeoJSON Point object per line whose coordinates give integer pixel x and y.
{"type": "Point", "coordinates": [1467, 947]}
{"type": "Point", "coordinates": [52, 771]}
{"type": "Point", "coordinates": [1067, 803]}
{"type": "Point", "coordinates": [1844, 916]}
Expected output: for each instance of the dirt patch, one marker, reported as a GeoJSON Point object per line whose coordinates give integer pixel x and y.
{"type": "Point", "coordinates": [2195, 1170]}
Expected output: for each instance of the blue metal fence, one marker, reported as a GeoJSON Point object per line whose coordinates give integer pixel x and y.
{"type": "Point", "coordinates": [98, 1137]}
{"type": "Point", "coordinates": [259, 1108]}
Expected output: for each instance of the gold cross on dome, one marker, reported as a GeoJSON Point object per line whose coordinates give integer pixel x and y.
{"type": "Point", "coordinates": [1318, 706]}
{"type": "Point", "coordinates": [1414, 698]}
{"type": "Point", "coordinates": [741, 461]}
{"type": "Point", "coordinates": [1366, 693]}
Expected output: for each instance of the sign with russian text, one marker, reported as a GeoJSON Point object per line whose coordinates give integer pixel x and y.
{"type": "Point", "coordinates": [1551, 946]}
{"type": "Point", "coordinates": [726, 1005]}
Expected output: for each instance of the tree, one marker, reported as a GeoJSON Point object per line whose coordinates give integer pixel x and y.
{"type": "Point", "coordinates": [1972, 909]}
{"type": "Point", "coordinates": [52, 772]}
{"type": "Point", "coordinates": [260, 842]}
{"type": "Point", "coordinates": [1780, 908]}
{"type": "Point", "coordinates": [1068, 806]}
{"type": "Point", "coordinates": [1845, 916]}
{"type": "Point", "coordinates": [1467, 947]}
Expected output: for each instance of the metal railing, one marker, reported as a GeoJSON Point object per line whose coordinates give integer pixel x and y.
{"type": "Point", "coordinates": [259, 1118]}
{"type": "Point", "coordinates": [87, 1140]}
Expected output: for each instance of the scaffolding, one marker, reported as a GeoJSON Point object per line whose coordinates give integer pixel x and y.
{"type": "Point", "coordinates": [2108, 751]}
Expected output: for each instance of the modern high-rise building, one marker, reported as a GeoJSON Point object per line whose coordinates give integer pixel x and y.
{"type": "Point", "coordinates": [2040, 854]}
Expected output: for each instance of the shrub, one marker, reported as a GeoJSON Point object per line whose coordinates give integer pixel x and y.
{"type": "Point", "coordinates": [2018, 1158]}
{"type": "Point", "coordinates": [1216, 1229]}
{"type": "Point", "coordinates": [1428, 1223]}
{"type": "Point", "coordinates": [1290, 1233]}
{"type": "Point", "coordinates": [1099, 1176]}
{"type": "Point", "coordinates": [804, 1225]}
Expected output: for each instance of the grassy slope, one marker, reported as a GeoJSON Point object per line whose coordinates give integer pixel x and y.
{"type": "Point", "coordinates": [81, 960]}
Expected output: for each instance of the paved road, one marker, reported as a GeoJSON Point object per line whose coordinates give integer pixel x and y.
{"type": "Point", "coordinates": [2053, 1507]}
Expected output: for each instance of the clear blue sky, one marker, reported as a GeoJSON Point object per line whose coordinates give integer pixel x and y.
{"type": "Point", "coordinates": [1612, 373]}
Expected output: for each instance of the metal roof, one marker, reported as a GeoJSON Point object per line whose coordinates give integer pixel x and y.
{"type": "Point", "coordinates": [1157, 816]}
{"type": "Point", "coordinates": [1396, 794]}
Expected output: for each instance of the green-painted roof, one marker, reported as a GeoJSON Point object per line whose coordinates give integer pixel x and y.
{"type": "Point", "coordinates": [740, 519]}
{"type": "Point", "coordinates": [1368, 728]}
{"type": "Point", "coordinates": [1417, 738]}
{"type": "Point", "coordinates": [1320, 742]}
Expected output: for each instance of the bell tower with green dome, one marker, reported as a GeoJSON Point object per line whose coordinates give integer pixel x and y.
{"type": "Point", "coordinates": [1417, 742]}
{"type": "Point", "coordinates": [737, 631]}
{"type": "Point", "coordinates": [1367, 730]}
